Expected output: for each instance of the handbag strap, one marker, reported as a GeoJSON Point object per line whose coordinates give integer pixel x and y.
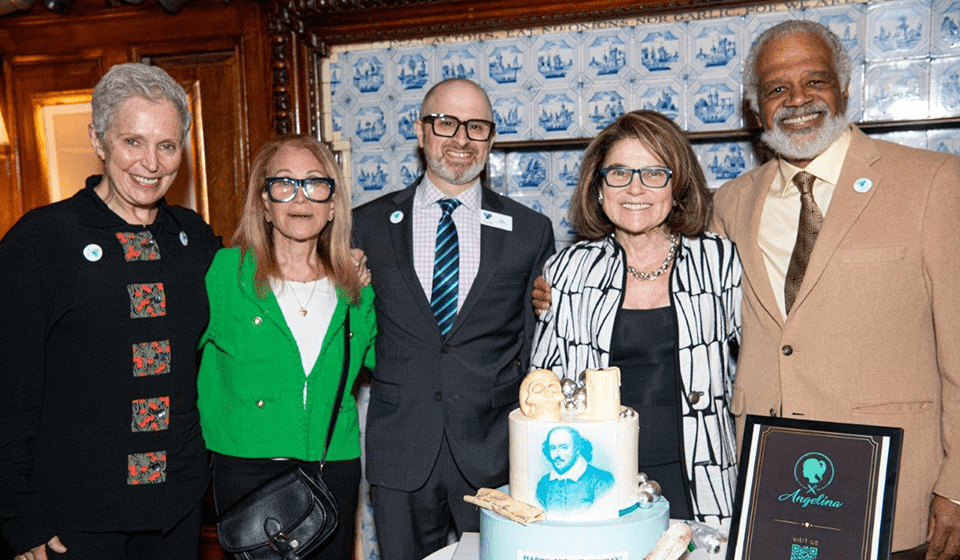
{"type": "Point", "coordinates": [337, 401]}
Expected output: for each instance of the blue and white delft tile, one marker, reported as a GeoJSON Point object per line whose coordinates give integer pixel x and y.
{"type": "Point", "coordinates": [714, 104]}
{"type": "Point", "coordinates": [607, 55]}
{"type": "Point", "coordinates": [945, 140]}
{"type": "Point", "coordinates": [912, 138]}
{"type": "Point", "coordinates": [601, 106]}
{"type": "Point", "coordinates": [406, 116]}
{"type": "Point", "coordinates": [667, 96]}
{"type": "Point", "coordinates": [369, 124]}
{"type": "Point", "coordinates": [945, 27]}
{"type": "Point", "coordinates": [898, 30]}
{"type": "Point", "coordinates": [848, 22]}
{"type": "Point", "coordinates": [715, 46]}
{"type": "Point", "coordinates": [565, 169]}
{"type": "Point", "coordinates": [661, 50]}
{"type": "Point", "coordinates": [505, 65]}
{"type": "Point", "coordinates": [460, 61]}
{"type": "Point", "coordinates": [897, 90]}
{"type": "Point", "coordinates": [945, 87]}
{"type": "Point", "coordinates": [511, 113]}
{"type": "Point", "coordinates": [533, 201]}
{"type": "Point", "coordinates": [413, 69]}
{"type": "Point", "coordinates": [563, 230]}
{"type": "Point", "coordinates": [371, 173]}
{"type": "Point", "coordinates": [409, 168]}
{"type": "Point", "coordinates": [556, 58]}
{"type": "Point", "coordinates": [527, 171]}
{"type": "Point", "coordinates": [723, 161]}
{"type": "Point", "coordinates": [496, 171]}
{"type": "Point", "coordinates": [336, 77]}
{"type": "Point", "coordinates": [556, 114]}
{"type": "Point", "coordinates": [368, 73]}
{"type": "Point", "coordinates": [337, 122]}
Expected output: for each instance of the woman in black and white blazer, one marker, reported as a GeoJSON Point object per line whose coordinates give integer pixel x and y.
{"type": "Point", "coordinates": [649, 291]}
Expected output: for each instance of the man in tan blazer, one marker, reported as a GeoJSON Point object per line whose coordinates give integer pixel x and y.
{"type": "Point", "coordinates": [873, 334]}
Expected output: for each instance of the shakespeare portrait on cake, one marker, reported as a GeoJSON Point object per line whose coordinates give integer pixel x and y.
{"type": "Point", "coordinates": [573, 483]}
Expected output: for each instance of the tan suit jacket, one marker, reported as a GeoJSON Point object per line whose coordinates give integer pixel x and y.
{"type": "Point", "coordinates": [874, 335]}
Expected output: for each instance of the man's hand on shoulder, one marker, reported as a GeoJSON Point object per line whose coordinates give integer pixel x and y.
{"type": "Point", "coordinates": [943, 533]}
{"type": "Point", "coordinates": [540, 295]}
{"type": "Point", "coordinates": [40, 552]}
{"type": "Point", "coordinates": [360, 259]}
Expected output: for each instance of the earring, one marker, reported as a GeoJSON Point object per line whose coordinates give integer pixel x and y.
{"type": "Point", "coordinates": [600, 197]}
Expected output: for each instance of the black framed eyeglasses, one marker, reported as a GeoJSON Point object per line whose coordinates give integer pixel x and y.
{"type": "Point", "coordinates": [447, 126]}
{"type": "Point", "coordinates": [284, 189]}
{"type": "Point", "coordinates": [654, 177]}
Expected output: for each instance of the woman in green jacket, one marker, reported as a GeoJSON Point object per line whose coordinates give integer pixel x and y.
{"type": "Point", "coordinates": [273, 352]}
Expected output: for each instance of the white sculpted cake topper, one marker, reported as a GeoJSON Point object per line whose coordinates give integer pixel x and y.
{"type": "Point", "coordinates": [540, 395]}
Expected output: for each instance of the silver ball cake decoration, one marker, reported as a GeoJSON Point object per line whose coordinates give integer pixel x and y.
{"type": "Point", "coordinates": [567, 387]}
{"type": "Point", "coordinates": [648, 491]}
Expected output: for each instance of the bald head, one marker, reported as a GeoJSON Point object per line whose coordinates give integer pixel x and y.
{"type": "Point", "coordinates": [454, 87]}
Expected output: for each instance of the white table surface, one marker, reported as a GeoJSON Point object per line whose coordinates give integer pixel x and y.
{"type": "Point", "coordinates": [469, 549]}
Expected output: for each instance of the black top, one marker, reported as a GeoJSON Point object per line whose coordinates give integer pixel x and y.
{"type": "Point", "coordinates": [99, 327]}
{"type": "Point", "coordinates": [644, 347]}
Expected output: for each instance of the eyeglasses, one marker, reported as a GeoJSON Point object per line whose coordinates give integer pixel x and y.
{"type": "Point", "coordinates": [653, 177]}
{"type": "Point", "coordinates": [447, 126]}
{"type": "Point", "coordinates": [284, 189]}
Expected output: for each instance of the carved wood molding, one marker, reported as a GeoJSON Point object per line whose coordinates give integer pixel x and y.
{"type": "Point", "coordinates": [352, 21]}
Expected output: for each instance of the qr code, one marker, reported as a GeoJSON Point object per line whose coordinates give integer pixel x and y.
{"type": "Point", "coordinates": [799, 552]}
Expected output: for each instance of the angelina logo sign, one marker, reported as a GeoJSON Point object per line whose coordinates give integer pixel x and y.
{"type": "Point", "coordinates": [814, 490]}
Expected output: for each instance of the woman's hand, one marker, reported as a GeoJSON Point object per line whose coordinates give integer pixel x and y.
{"type": "Point", "coordinates": [40, 552]}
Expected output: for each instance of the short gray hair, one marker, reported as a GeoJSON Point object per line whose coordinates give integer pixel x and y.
{"type": "Point", "coordinates": [841, 59]}
{"type": "Point", "coordinates": [133, 79]}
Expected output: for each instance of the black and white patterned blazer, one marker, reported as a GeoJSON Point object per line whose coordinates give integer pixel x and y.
{"type": "Point", "coordinates": [587, 281]}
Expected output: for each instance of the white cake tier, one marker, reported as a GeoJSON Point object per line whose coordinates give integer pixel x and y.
{"type": "Point", "coordinates": [583, 471]}
{"type": "Point", "coordinates": [630, 537]}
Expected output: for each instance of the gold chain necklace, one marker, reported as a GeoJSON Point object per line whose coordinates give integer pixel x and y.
{"type": "Point", "coordinates": [303, 306]}
{"type": "Point", "coordinates": [653, 275]}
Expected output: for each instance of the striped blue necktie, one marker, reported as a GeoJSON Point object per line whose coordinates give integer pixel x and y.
{"type": "Point", "coordinates": [446, 268]}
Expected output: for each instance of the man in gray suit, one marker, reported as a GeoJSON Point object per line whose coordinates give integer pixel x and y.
{"type": "Point", "coordinates": [453, 264]}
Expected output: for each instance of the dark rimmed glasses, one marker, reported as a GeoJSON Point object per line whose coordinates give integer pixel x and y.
{"type": "Point", "coordinates": [284, 189]}
{"type": "Point", "coordinates": [447, 126]}
{"type": "Point", "coordinates": [654, 177]}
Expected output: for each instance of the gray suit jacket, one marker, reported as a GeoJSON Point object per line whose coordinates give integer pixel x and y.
{"type": "Point", "coordinates": [463, 385]}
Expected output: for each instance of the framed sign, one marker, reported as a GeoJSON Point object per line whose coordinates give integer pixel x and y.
{"type": "Point", "coordinates": [808, 490]}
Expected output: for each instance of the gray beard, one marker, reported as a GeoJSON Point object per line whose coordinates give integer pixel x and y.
{"type": "Point", "coordinates": [808, 145]}
{"type": "Point", "coordinates": [450, 175]}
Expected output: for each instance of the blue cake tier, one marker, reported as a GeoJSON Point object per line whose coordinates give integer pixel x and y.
{"type": "Point", "coordinates": [630, 537]}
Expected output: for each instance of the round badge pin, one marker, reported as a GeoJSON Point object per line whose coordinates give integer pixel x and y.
{"type": "Point", "coordinates": [862, 185]}
{"type": "Point", "coordinates": [93, 252]}
{"type": "Point", "coordinates": [183, 238]}
{"type": "Point", "coordinates": [396, 217]}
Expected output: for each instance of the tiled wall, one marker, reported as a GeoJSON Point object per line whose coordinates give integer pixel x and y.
{"type": "Point", "coordinates": [571, 81]}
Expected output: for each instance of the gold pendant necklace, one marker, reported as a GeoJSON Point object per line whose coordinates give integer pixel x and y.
{"type": "Point", "coordinates": [303, 306]}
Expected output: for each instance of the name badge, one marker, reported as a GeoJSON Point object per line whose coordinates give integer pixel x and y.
{"type": "Point", "coordinates": [499, 221]}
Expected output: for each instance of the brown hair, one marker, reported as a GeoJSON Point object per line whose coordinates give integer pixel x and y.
{"type": "Point", "coordinates": [255, 233]}
{"type": "Point", "coordinates": [663, 138]}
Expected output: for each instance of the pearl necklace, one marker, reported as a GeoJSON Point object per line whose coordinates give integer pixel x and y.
{"type": "Point", "coordinates": [303, 306]}
{"type": "Point", "coordinates": [653, 275]}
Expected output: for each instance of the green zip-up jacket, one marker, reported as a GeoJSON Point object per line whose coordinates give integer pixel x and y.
{"type": "Point", "coordinates": [251, 384]}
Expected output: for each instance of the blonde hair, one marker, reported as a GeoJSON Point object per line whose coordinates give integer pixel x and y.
{"type": "Point", "coordinates": [254, 233]}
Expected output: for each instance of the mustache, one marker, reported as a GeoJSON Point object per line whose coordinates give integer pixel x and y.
{"type": "Point", "coordinates": [784, 113]}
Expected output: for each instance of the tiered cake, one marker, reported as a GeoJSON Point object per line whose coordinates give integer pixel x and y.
{"type": "Point", "coordinates": [573, 454]}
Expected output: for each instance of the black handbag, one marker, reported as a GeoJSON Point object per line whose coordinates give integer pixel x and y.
{"type": "Point", "coordinates": [291, 514]}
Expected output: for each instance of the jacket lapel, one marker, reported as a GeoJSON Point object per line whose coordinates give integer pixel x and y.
{"type": "Point", "coordinates": [401, 236]}
{"type": "Point", "coordinates": [492, 240]}
{"type": "Point", "coordinates": [268, 306]}
{"type": "Point", "coordinates": [845, 206]}
{"type": "Point", "coordinates": [750, 204]}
